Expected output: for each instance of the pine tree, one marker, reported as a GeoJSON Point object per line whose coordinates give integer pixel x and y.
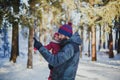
{"type": "Point", "coordinates": [15, 31]}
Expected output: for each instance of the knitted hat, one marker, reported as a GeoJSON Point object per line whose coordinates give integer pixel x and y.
{"type": "Point", "coordinates": [66, 29]}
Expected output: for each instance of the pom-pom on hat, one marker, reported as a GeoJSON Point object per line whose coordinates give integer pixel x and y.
{"type": "Point", "coordinates": [66, 29]}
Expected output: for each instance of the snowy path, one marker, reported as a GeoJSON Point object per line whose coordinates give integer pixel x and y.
{"type": "Point", "coordinates": [40, 71]}
{"type": "Point", "coordinates": [90, 71]}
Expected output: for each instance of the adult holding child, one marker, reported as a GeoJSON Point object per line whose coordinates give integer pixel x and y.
{"type": "Point", "coordinates": [65, 62]}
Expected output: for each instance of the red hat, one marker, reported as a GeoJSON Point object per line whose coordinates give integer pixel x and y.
{"type": "Point", "coordinates": [66, 29]}
{"type": "Point", "coordinates": [56, 34]}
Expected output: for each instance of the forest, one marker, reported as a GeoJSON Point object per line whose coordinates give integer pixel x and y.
{"type": "Point", "coordinates": [46, 16]}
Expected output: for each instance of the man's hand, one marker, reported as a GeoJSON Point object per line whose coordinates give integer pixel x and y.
{"type": "Point", "coordinates": [37, 44]}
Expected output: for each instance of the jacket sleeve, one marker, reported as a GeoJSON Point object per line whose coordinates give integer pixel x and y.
{"type": "Point", "coordinates": [55, 60]}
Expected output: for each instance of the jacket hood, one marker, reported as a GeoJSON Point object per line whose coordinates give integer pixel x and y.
{"type": "Point", "coordinates": [76, 38]}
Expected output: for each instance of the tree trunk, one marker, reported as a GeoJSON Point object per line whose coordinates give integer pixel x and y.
{"type": "Point", "coordinates": [93, 43]}
{"type": "Point", "coordinates": [116, 40]}
{"type": "Point", "coordinates": [15, 32]}
{"type": "Point", "coordinates": [100, 39]}
{"type": "Point", "coordinates": [103, 42]}
{"type": "Point", "coordinates": [118, 50]}
{"type": "Point", "coordinates": [93, 37]}
{"type": "Point", "coordinates": [81, 47]}
{"type": "Point", "coordinates": [14, 51]}
{"type": "Point", "coordinates": [111, 55]}
{"type": "Point", "coordinates": [89, 44]}
{"type": "Point", "coordinates": [30, 47]}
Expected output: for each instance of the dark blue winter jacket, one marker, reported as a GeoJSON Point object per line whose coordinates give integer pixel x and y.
{"type": "Point", "coordinates": [65, 63]}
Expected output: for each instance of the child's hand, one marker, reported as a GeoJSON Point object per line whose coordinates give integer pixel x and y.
{"type": "Point", "coordinates": [35, 49]}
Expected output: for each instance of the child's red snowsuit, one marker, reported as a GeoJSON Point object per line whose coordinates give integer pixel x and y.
{"type": "Point", "coordinates": [54, 46]}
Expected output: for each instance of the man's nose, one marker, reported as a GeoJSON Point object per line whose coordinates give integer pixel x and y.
{"type": "Point", "coordinates": [60, 37]}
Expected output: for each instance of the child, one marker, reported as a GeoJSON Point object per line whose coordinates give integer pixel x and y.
{"type": "Point", "coordinates": [54, 46]}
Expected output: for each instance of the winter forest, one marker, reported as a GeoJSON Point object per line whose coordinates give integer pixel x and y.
{"type": "Point", "coordinates": [97, 22]}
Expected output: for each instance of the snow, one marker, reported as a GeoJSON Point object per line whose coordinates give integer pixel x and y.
{"type": "Point", "coordinates": [18, 71]}
{"type": "Point", "coordinates": [103, 69]}
{"type": "Point", "coordinates": [104, 60]}
{"type": "Point", "coordinates": [87, 70]}
{"type": "Point", "coordinates": [90, 71]}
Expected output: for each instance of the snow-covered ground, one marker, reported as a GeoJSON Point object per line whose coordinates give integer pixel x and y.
{"type": "Point", "coordinates": [90, 71]}
{"type": "Point", "coordinates": [104, 60]}
{"type": "Point", "coordinates": [87, 70]}
{"type": "Point", "coordinates": [19, 71]}
{"type": "Point", "coordinates": [103, 69]}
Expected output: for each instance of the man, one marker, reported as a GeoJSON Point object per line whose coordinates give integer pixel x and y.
{"type": "Point", "coordinates": [65, 62]}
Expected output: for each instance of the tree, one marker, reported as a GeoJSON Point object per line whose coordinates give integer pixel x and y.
{"type": "Point", "coordinates": [93, 43]}
{"type": "Point", "coordinates": [94, 15]}
{"type": "Point", "coordinates": [13, 19]}
{"type": "Point", "coordinates": [36, 14]}
{"type": "Point", "coordinates": [30, 19]}
{"type": "Point", "coordinates": [117, 41]}
{"type": "Point", "coordinates": [108, 16]}
{"type": "Point", "coordinates": [89, 41]}
{"type": "Point", "coordinates": [111, 55]}
{"type": "Point", "coordinates": [101, 14]}
{"type": "Point", "coordinates": [15, 31]}
{"type": "Point", "coordinates": [80, 28]}
{"type": "Point", "coordinates": [30, 47]}
{"type": "Point", "coordinates": [118, 50]}
{"type": "Point", "coordinates": [91, 20]}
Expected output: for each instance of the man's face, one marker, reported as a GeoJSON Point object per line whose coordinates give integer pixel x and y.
{"type": "Point", "coordinates": [61, 37]}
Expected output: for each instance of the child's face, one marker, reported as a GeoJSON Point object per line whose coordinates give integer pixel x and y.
{"type": "Point", "coordinates": [56, 37]}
